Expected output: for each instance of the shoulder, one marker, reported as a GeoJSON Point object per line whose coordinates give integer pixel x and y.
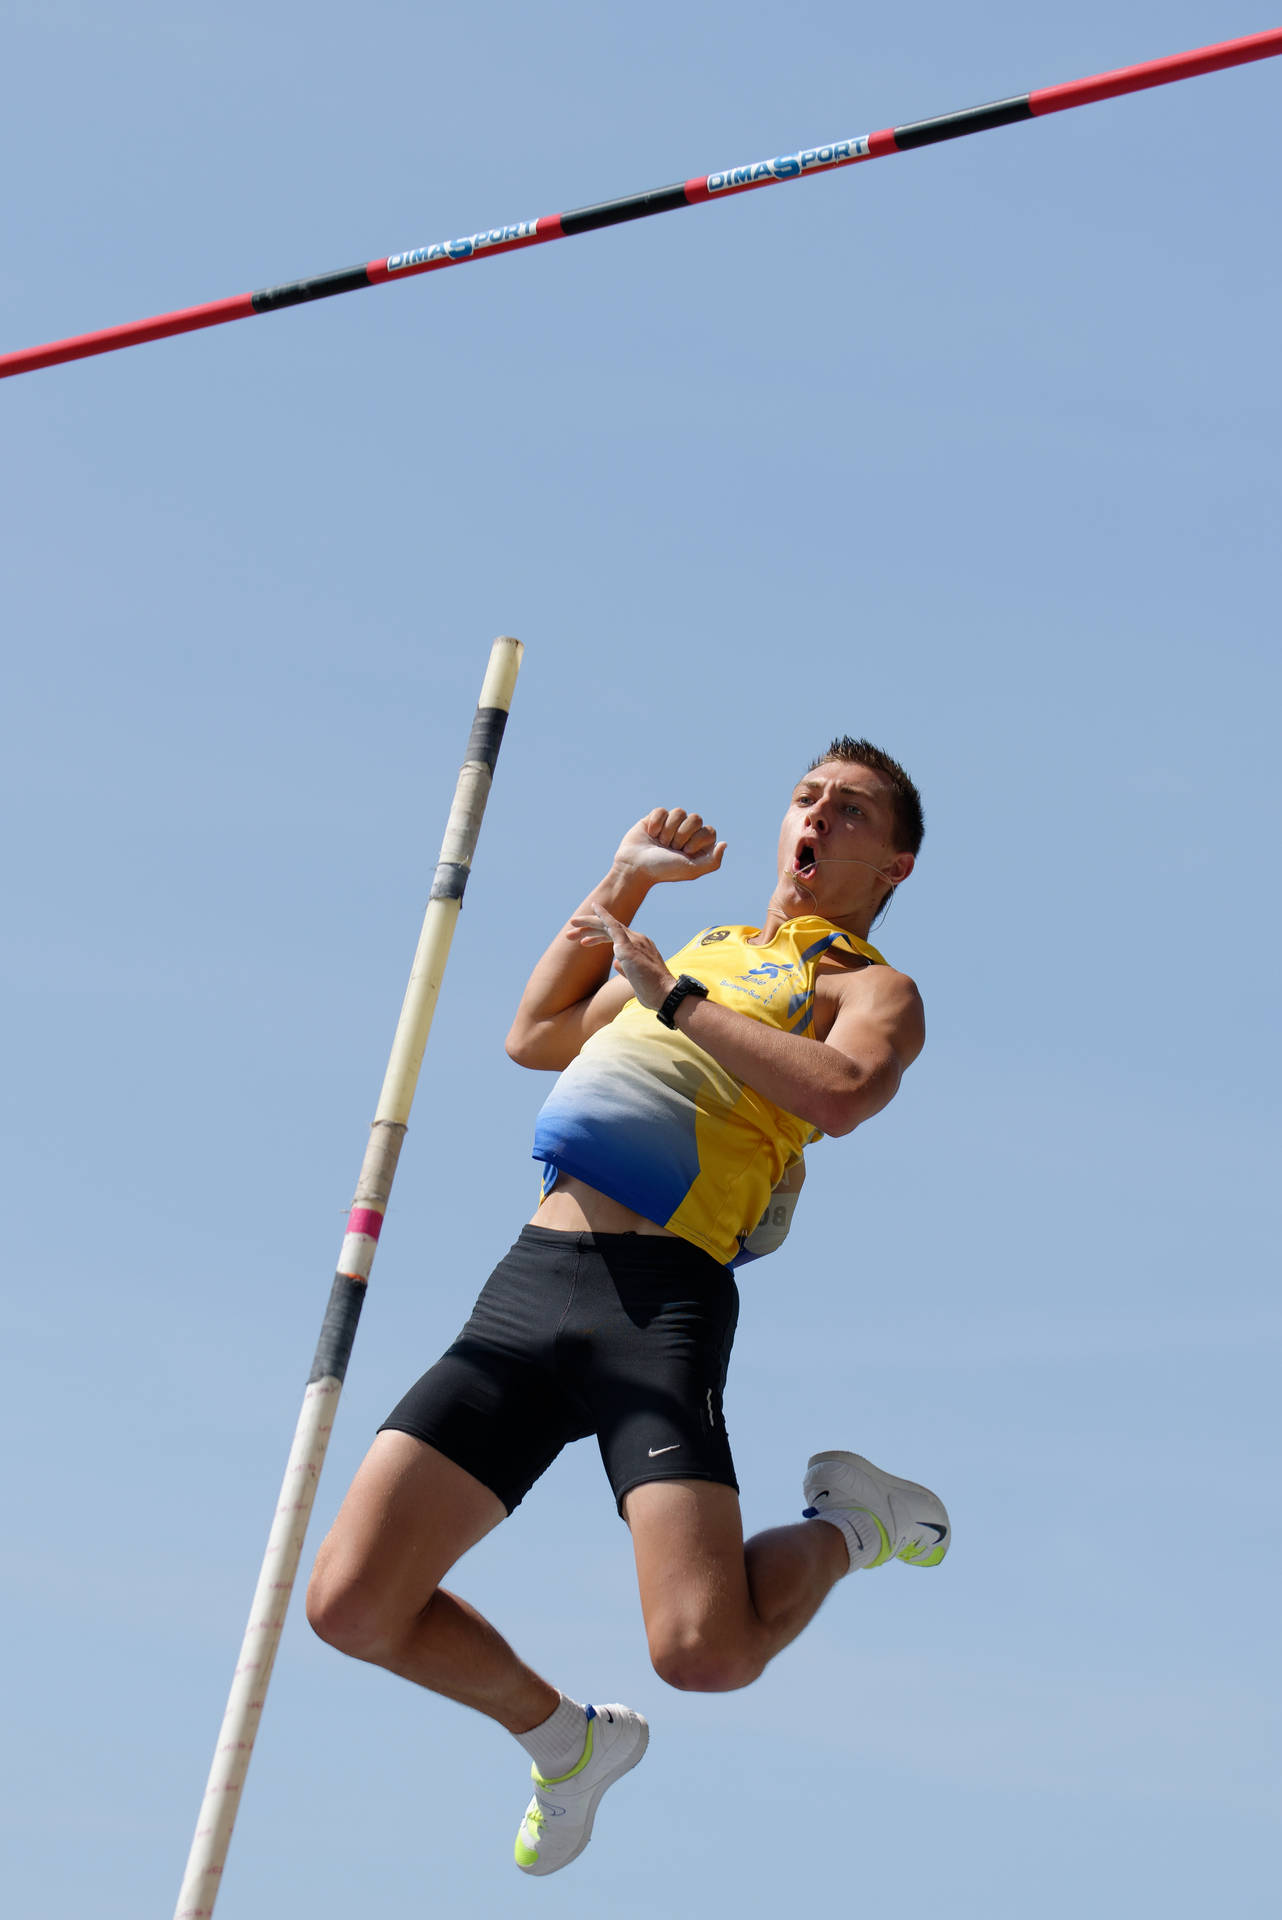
{"type": "Point", "coordinates": [878, 997]}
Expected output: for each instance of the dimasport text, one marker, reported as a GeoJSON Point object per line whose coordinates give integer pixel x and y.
{"type": "Point", "coordinates": [462, 249]}
{"type": "Point", "coordinates": [789, 165]}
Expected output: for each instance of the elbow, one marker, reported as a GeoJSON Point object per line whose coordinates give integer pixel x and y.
{"type": "Point", "coordinates": [842, 1116]}
{"type": "Point", "coordinates": [517, 1046]}
{"type": "Point", "coordinates": [846, 1107]}
{"type": "Point", "coordinates": [522, 1043]}
{"type": "Point", "coordinates": [533, 1046]}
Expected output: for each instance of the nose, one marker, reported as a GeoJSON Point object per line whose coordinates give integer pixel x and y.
{"type": "Point", "coordinates": [816, 820]}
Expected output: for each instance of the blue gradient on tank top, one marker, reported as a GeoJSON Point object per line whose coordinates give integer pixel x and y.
{"type": "Point", "coordinates": [616, 1126]}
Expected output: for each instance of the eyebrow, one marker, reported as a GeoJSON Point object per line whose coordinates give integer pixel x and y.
{"type": "Point", "coordinates": [858, 793]}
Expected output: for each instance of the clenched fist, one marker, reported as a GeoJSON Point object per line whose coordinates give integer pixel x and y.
{"type": "Point", "coordinates": [670, 844]}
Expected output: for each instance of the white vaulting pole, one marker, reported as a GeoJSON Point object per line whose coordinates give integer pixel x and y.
{"type": "Point", "coordinates": [325, 1382]}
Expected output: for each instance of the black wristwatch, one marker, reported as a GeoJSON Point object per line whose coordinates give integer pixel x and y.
{"type": "Point", "coordinates": [686, 985]}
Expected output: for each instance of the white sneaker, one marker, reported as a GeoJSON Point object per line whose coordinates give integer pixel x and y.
{"type": "Point", "coordinates": [558, 1821]}
{"type": "Point", "coordinates": [897, 1518]}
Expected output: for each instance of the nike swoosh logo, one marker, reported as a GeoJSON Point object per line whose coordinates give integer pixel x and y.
{"type": "Point", "coordinates": [671, 1449]}
{"type": "Point", "coordinates": [939, 1532]}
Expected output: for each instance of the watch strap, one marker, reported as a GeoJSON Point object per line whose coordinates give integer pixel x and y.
{"type": "Point", "coordinates": [686, 985]}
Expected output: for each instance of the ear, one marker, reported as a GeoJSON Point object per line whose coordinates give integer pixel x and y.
{"type": "Point", "coordinates": [899, 868]}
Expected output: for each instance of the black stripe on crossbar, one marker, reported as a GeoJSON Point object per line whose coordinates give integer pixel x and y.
{"type": "Point", "coordinates": [295, 292]}
{"type": "Point", "coordinates": [612, 213]}
{"type": "Point", "coordinates": [951, 126]}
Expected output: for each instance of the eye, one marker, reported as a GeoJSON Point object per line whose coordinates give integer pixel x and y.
{"type": "Point", "coordinates": [854, 809]}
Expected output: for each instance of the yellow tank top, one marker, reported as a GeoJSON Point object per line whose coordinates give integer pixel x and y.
{"type": "Point", "coordinates": [647, 1117]}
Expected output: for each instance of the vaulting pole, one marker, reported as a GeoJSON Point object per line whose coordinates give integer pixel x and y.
{"type": "Point", "coordinates": [638, 206]}
{"type": "Point", "coordinates": [338, 1330]}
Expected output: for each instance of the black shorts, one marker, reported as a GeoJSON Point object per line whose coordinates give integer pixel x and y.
{"type": "Point", "coordinates": [624, 1335]}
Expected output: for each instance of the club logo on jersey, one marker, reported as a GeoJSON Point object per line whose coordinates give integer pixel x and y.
{"type": "Point", "coordinates": [710, 939]}
{"type": "Point", "coordinates": [764, 982]}
{"type": "Point", "coordinates": [788, 165]}
{"type": "Point", "coordinates": [462, 249]}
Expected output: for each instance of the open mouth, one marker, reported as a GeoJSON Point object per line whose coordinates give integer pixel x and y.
{"type": "Point", "coordinates": [805, 865]}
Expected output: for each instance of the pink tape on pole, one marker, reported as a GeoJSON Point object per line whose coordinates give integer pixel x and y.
{"type": "Point", "coordinates": [365, 1220]}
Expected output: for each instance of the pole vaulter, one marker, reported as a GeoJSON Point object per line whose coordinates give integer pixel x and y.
{"type": "Point", "coordinates": [356, 1257]}
{"type": "Point", "coordinates": [639, 206]}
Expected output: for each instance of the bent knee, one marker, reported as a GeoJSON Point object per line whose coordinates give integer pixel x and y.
{"type": "Point", "coordinates": [351, 1615]}
{"type": "Point", "coordinates": [698, 1665]}
{"type": "Point", "coordinates": [340, 1615]}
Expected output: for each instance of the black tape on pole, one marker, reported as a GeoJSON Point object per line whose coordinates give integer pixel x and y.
{"type": "Point", "coordinates": [486, 737]}
{"type": "Point", "coordinates": [338, 1329]}
{"type": "Point", "coordinates": [449, 881]}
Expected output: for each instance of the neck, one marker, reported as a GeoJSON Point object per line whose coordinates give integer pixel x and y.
{"type": "Point", "coordinates": [859, 922]}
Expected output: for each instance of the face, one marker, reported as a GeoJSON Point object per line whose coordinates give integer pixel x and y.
{"type": "Point", "coordinates": [836, 855]}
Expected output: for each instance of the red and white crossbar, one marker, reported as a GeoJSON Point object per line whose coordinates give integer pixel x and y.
{"type": "Point", "coordinates": [235, 1743]}
{"type": "Point", "coordinates": [639, 206]}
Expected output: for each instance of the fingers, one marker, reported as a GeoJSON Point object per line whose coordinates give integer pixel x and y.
{"type": "Point", "coordinates": [704, 852]}
{"type": "Point", "coordinates": [683, 832]}
{"type": "Point", "coordinates": [673, 826]}
{"type": "Point", "coordinates": [596, 926]}
{"type": "Point", "coordinates": [588, 929]}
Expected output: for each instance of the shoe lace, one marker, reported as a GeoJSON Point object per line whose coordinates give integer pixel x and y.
{"type": "Point", "coordinates": [534, 1818]}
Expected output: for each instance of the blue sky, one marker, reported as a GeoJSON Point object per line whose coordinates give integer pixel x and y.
{"type": "Point", "coordinates": [974, 451]}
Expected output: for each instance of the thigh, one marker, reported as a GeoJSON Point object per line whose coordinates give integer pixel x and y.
{"type": "Point", "coordinates": [499, 1417]}
{"type": "Point", "coordinates": [664, 1317]}
{"type": "Point", "coordinates": [687, 1538]}
{"type": "Point", "coordinates": [408, 1516]}
{"type": "Point", "coordinates": [493, 1403]}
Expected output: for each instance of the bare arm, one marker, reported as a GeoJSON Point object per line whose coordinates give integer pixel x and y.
{"type": "Point", "coordinates": [570, 993]}
{"type": "Point", "coordinates": [834, 1083]}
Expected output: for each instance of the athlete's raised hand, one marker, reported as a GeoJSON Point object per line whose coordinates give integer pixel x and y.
{"type": "Point", "coordinates": [570, 995]}
{"type": "Point", "coordinates": [670, 844]}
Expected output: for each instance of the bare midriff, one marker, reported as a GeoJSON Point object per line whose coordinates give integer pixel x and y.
{"type": "Point", "coordinates": [574, 1207]}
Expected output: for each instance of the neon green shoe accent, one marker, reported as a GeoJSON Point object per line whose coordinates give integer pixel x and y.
{"type": "Point", "coordinates": [532, 1824]}
{"type": "Point", "coordinates": [884, 1553]}
{"type": "Point", "coordinates": [528, 1856]}
{"type": "Point", "coordinates": [561, 1778]}
{"type": "Point", "coordinates": [931, 1560]}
